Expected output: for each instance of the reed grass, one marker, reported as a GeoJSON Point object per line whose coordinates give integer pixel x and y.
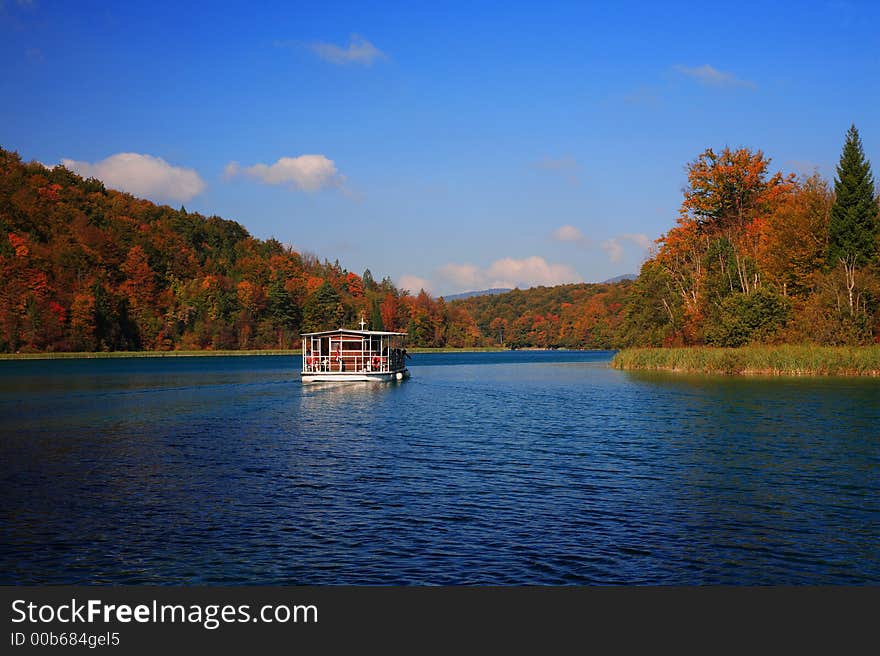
{"type": "Point", "coordinates": [784, 360]}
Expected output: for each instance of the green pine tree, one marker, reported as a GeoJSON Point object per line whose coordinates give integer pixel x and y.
{"type": "Point", "coordinates": [852, 230]}
{"type": "Point", "coordinates": [323, 310]}
{"type": "Point", "coordinates": [376, 316]}
{"type": "Point", "coordinates": [283, 310]}
{"type": "Point", "coordinates": [369, 282]}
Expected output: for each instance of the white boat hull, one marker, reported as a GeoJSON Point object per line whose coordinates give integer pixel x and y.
{"type": "Point", "coordinates": [353, 376]}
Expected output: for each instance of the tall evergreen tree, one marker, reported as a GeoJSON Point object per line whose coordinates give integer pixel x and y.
{"type": "Point", "coordinates": [369, 282]}
{"type": "Point", "coordinates": [376, 316]}
{"type": "Point", "coordinates": [284, 311]}
{"type": "Point", "coordinates": [852, 230]}
{"type": "Point", "coordinates": [323, 310]}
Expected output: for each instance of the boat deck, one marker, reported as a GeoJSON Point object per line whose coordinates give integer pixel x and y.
{"type": "Point", "coordinates": [354, 355]}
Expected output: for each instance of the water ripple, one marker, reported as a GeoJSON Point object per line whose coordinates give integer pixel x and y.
{"type": "Point", "coordinates": [499, 468]}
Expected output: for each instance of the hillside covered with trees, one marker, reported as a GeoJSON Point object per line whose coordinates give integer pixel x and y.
{"type": "Point", "coordinates": [761, 257]}
{"type": "Point", "coordinates": [754, 257]}
{"type": "Point", "coordinates": [87, 268]}
{"type": "Point", "coordinates": [564, 316]}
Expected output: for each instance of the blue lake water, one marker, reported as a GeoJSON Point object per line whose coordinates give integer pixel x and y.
{"type": "Point", "coordinates": [489, 468]}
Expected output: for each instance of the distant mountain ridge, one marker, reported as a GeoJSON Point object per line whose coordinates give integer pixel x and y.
{"type": "Point", "coordinates": [484, 292]}
{"type": "Point", "coordinates": [503, 290]}
{"type": "Point", "coordinates": [625, 276]}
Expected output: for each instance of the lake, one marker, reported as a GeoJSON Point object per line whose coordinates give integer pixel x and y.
{"type": "Point", "coordinates": [484, 468]}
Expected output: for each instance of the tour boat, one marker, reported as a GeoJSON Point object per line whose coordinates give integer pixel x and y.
{"type": "Point", "coordinates": [354, 355]}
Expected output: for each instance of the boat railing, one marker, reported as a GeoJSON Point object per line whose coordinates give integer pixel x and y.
{"type": "Point", "coordinates": [354, 361]}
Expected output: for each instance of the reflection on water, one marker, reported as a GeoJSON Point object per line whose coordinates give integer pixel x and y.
{"type": "Point", "coordinates": [504, 468]}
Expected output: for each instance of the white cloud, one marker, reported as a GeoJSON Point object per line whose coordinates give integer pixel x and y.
{"type": "Point", "coordinates": [306, 172]}
{"type": "Point", "coordinates": [413, 283]}
{"type": "Point", "coordinates": [506, 272]}
{"type": "Point", "coordinates": [358, 51]}
{"type": "Point", "coordinates": [712, 77]}
{"type": "Point", "coordinates": [641, 240]}
{"type": "Point", "coordinates": [463, 276]}
{"type": "Point", "coordinates": [231, 170]}
{"type": "Point", "coordinates": [613, 249]}
{"type": "Point", "coordinates": [569, 233]}
{"type": "Point", "coordinates": [142, 175]}
{"type": "Point", "coordinates": [529, 272]}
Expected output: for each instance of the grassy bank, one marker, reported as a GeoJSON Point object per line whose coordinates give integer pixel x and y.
{"type": "Point", "coordinates": [186, 354]}
{"type": "Point", "coordinates": [757, 360]}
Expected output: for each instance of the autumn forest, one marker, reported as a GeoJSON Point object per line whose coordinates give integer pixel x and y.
{"type": "Point", "coordinates": [755, 256]}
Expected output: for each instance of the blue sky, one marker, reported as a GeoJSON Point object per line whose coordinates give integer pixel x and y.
{"type": "Point", "coordinates": [452, 145]}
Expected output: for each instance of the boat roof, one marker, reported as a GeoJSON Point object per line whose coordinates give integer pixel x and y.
{"type": "Point", "coordinates": [359, 333]}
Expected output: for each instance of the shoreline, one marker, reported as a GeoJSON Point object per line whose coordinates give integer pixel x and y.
{"type": "Point", "coordinates": [784, 360]}
{"type": "Point", "coordinates": [100, 355]}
